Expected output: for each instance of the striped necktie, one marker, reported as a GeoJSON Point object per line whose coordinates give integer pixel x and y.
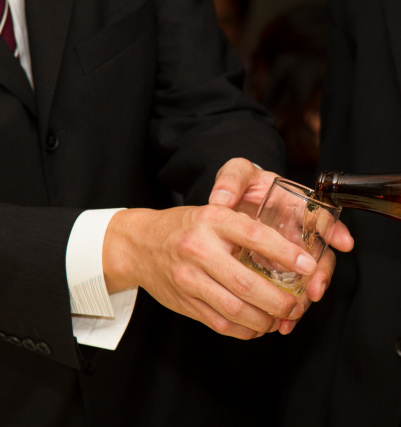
{"type": "Point", "coordinates": [6, 26]}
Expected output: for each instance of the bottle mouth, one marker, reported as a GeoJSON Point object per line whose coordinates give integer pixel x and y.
{"type": "Point", "coordinates": [326, 186]}
{"type": "Point", "coordinates": [305, 193]}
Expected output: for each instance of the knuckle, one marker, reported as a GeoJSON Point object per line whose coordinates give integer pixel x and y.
{"type": "Point", "coordinates": [234, 309]}
{"type": "Point", "coordinates": [285, 307]}
{"type": "Point", "coordinates": [228, 181]}
{"type": "Point", "coordinates": [240, 163]}
{"type": "Point", "coordinates": [221, 325]}
{"type": "Point", "coordinates": [210, 213]}
{"type": "Point", "coordinates": [269, 323]}
{"type": "Point", "coordinates": [231, 177]}
{"type": "Point", "coordinates": [255, 232]}
{"type": "Point", "coordinates": [178, 275]}
{"type": "Point", "coordinates": [190, 244]}
{"type": "Point", "coordinates": [243, 286]}
{"type": "Point", "coordinates": [264, 324]}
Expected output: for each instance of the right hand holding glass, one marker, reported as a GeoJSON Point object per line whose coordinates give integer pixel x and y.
{"type": "Point", "coordinates": [183, 258]}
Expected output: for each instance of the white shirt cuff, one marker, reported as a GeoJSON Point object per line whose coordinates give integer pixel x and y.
{"type": "Point", "coordinates": [88, 292]}
{"type": "Point", "coordinates": [105, 332]}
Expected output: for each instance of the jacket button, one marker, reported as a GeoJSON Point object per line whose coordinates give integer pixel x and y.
{"type": "Point", "coordinates": [15, 341]}
{"type": "Point", "coordinates": [29, 344]}
{"type": "Point", "coordinates": [52, 142]}
{"type": "Point", "coordinates": [397, 345]}
{"type": "Point", "coordinates": [43, 348]}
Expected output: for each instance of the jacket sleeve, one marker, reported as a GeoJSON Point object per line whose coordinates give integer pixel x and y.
{"type": "Point", "coordinates": [201, 116]}
{"type": "Point", "coordinates": [34, 302]}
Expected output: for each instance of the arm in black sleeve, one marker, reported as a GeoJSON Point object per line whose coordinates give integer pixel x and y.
{"type": "Point", "coordinates": [202, 118]}
{"type": "Point", "coordinates": [34, 301]}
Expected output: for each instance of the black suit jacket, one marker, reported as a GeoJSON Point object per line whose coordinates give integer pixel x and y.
{"type": "Point", "coordinates": [133, 100]}
{"type": "Point", "coordinates": [348, 372]}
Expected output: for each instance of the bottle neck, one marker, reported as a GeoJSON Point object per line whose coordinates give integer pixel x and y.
{"type": "Point", "coordinates": [327, 185]}
{"type": "Point", "coordinates": [379, 193]}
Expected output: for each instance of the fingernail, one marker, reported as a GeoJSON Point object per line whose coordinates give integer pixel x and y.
{"type": "Point", "coordinates": [260, 334]}
{"type": "Point", "coordinates": [324, 287]}
{"type": "Point", "coordinates": [305, 264]}
{"type": "Point", "coordinates": [297, 312]}
{"type": "Point", "coordinates": [221, 197]}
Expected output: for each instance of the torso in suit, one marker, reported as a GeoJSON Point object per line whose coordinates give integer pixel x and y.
{"type": "Point", "coordinates": [133, 99]}
{"type": "Point", "coordinates": [349, 373]}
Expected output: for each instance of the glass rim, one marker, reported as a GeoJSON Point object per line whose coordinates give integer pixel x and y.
{"type": "Point", "coordinates": [287, 184]}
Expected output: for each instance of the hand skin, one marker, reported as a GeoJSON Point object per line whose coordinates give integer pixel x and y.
{"type": "Point", "coordinates": [183, 258]}
{"type": "Point", "coordinates": [241, 185]}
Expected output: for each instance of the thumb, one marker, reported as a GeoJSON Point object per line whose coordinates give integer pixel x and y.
{"type": "Point", "coordinates": [232, 180]}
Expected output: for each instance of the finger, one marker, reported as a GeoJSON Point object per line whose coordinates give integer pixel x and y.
{"type": "Point", "coordinates": [250, 287]}
{"type": "Point", "coordinates": [231, 182]}
{"type": "Point", "coordinates": [233, 308]}
{"type": "Point", "coordinates": [287, 326]}
{"type": "Point", "coordinates": [264, 240]}
{"type": "Point", "coordinates": [220, 324]}
{"type": "Point", "coordinates": [320, 281]}
{"type": "Point", "coordinates": [342, 239]}
{"type": "Point", "coordinates": [315, 289]}
{"type": "Point", "coordinates": [204, 288]}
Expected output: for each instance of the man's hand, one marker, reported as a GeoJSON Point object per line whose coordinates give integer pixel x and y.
{"type": "Point", "coordinates": [183, 258]}
{"type": "Point", "coordinates": [242, 186]}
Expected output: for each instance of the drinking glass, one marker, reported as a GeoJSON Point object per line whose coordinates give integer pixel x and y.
{"type": "Point", "coordinates": [290, 209]}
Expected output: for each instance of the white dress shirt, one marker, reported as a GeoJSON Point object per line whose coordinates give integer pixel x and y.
{"type": "Point", "coordinates": [98, 319]}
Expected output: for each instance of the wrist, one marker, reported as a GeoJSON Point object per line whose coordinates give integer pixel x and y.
{"type": "Point", "coordinates": [121, 251]}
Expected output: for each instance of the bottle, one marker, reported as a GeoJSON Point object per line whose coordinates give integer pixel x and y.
{"type": "Point", "coordinates": [375, 193]}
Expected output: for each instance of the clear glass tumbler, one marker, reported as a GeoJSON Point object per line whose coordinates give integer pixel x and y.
{"type": "Point", "coordinates": [291, 209]}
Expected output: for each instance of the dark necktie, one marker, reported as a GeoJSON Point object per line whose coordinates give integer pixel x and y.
{"type": "Point", "coordinates": [6, 26]}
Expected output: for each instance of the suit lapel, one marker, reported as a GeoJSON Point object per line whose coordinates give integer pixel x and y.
{"type": "Point", "coordinates": [47, 22]}
{"type": "Point", "coordinates": [392, 13]}
{"type": "Point", "coordinates": [13, 78]}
